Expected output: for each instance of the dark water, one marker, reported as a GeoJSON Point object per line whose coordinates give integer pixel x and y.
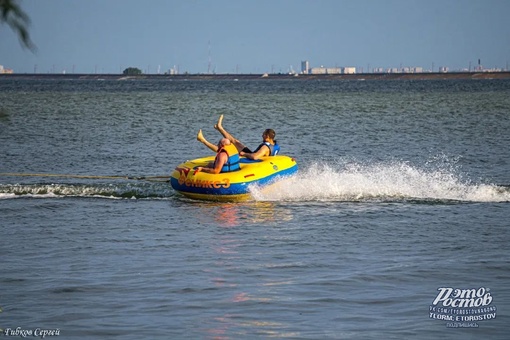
{"type": "Point", "coordinates": [404, 188]}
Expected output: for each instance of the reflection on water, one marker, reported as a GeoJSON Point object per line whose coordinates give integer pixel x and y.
{"type": "Point", "coordinates": [231, 268]}
{"type": "Point", "coordinates": [227, 215]}
{"type": "Point", "coordinates": [234, 214]}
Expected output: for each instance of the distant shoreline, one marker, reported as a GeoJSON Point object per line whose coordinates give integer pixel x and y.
{"type": "Point", "coordinates": [358, 76]}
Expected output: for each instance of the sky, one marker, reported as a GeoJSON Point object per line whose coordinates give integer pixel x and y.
{"type": "Point", "coordinates": [258, 36]}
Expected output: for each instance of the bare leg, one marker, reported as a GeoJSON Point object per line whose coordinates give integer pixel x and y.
{"type": "Point", "coordinates": [201, 138]}
{"type": "Point", "coordinates": [219, 126]}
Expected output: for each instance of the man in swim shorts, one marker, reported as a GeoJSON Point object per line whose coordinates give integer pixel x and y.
{"type": "Point", "coordinates": [268, 147]}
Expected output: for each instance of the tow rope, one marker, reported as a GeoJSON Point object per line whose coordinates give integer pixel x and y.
{"type": "Point", "coordinates": [138, 178]}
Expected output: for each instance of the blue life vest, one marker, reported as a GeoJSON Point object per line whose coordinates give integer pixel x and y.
{"type": "Point", "coordinates": [273, 149]}
{"type": "Point", "coordinates": [232, 163]}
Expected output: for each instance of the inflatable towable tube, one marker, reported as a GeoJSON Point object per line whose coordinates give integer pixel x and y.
{"type": "Point", "coordinates": [229, 185]}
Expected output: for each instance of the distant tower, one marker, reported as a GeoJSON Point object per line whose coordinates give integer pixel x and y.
{"type": "Point", "coordinates": [209, 59]}
{"type": "Point", "coordinates": [305, 67]}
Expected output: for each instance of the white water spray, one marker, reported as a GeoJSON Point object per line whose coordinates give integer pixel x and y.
{"type": "Point", "coordinates": [394, 181]}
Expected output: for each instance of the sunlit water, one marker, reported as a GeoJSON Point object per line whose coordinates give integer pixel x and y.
{"type": "Point", "coordinates": [403, 187]}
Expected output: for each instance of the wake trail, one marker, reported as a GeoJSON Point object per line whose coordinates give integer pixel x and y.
{"type": "Point", "coordinates": [386, 181]}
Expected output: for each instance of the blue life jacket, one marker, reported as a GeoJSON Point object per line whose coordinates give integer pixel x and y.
{"type": "Point", "coordinates": [232, 163]}
{"type": "Point", "coordinates": [273, 149]}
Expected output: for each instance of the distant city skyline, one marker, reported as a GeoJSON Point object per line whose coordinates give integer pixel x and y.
{"type": "Point", "coordinates": [229, 36]}
{"type": "Point", "coordinates": [322, 69]}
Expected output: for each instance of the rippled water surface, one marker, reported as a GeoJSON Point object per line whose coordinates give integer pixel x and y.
{"type": "Point", "coordinates": [403, 188]}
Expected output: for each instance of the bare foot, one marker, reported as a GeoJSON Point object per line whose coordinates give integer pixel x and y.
{"type": "Point", "coordinates": [218, 126]}
{"type": "Point", "coordinates": [200, 136]}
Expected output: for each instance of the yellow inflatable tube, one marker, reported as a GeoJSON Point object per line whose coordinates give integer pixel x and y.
{"type": "Point", "coordinates": [230, 185]}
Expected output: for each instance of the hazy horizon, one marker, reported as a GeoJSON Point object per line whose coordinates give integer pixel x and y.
{"type": "Point", "coordinates": [227, 36]}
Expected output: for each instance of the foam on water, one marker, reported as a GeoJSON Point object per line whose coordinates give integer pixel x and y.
{"type": "Point", "coordinates": [393, 181]}
{"type": "Point", "coordinates": [436, 181]}
{"type": "Point", "coordinates": [112, 191]}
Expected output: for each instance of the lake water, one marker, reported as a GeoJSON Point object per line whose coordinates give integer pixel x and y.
{"type": "Point", "coordinates": [403, 189]}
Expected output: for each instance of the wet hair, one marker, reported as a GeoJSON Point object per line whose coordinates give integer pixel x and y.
{"type": "Point", "coordinates": [270, 133]}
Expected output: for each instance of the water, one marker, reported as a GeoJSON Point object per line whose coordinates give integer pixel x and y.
{"type": "Point", "coordinates": [404, 187]}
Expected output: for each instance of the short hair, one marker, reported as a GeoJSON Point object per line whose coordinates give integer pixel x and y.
{"type": "Point", "coordinates": [270, 133]}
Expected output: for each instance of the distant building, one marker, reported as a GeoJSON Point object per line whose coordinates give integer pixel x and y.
{"type": "Point", "coordinates": [325, 70]}
{"type": "Point", "coordinates": [349, 70]}
{"type": "Point", "coordinates": [317, 70]}
{"type": "Point", "coordinates": [305, 67]}
{"type": "Point", "coordinates": [173, 71]}
{"type": "Point", "coordinates": [5, 70]}
{"type": "Point", "coordinates": [332, 70]}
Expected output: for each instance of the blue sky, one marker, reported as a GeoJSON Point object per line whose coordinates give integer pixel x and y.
{"type": "Point", "coordinates": [257, 36]}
